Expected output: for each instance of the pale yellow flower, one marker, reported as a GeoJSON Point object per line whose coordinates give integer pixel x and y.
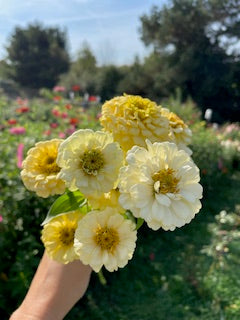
{"type": "Point", "coordinates": [133, 119]}
{"type": "Point", "coordinates": [179, 132]}
{"type": "Point", "coordinates": [40, 172]}
{"type": "Point", "coordinates": [58, 236]}
{"type": "Point", "coordinates": [161, 185]}
{"type": "Point", "coordinates": [109, 199]}
{"type": "Point", "coordinates": [90, 161]}
{"type": "Point", "coordinates": [105, 238]}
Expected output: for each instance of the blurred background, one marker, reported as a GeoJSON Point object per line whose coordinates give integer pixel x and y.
{"type": "Point", "coordinates": [59, 62]}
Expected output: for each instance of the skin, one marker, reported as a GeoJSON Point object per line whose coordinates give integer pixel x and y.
{"type": "Point", "coordinates": [54, 290]}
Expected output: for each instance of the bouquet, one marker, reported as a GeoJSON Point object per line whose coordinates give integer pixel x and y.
{"type": "Point", "coordinates": [137, 169]}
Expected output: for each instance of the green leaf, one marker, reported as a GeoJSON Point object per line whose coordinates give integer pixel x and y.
{"type": "Point", "coordinates": [69, 201]}
{"type": "Point", "coordinates": [139, 223]}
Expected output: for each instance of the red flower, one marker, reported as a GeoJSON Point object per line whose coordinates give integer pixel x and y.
{"type": "Point", "coordinates": [12, 121]}
{"type": "Point", "coordinates": [54, 125]}
{"type": "Point", "coordinates": [73, 121]}
{"type": "Point", "coordinates": [56, 113]}
{"type": "Point", "coordinates": [57, 98]}
{"type": "Point", "coordinates": [68, 106]}
{"type": "Point", "coordinates": [22, 109]}
{"type": "Point", "coordinates": [76, 87]}
{"type": "Point", "coordinates": [47, 132]}
{"type": "Point", "coordinates": [92, 99]}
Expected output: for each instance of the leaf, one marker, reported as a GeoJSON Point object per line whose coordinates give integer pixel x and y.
{"type": "Point", "coordinates": [140, 222]}
{"type": "Point", "coordinates": [69, 201]}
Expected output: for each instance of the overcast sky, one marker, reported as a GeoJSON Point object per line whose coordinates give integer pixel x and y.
{"type": "Point", "coordinates": [109, 26]}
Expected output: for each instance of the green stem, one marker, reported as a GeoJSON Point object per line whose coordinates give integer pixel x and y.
{"type": "Point", "coordinates": [101, 278]}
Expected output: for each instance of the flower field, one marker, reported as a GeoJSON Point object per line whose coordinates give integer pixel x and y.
{"type": "Point", "coordinates": [191, 273]}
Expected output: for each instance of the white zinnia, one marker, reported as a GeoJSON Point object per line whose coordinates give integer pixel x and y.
{"type": "Point", "coordinates": [160, 185]}
{"type": "Point", "coordinates": [90, 161]}
{"type": "Point", "coordinates": [105, 238]}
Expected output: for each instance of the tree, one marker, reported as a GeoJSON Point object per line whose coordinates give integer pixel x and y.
{"type": "Point", "coordinates": [82, 71]}
{"type": "Point", "coordinates": [37, 56]}
{"type": "Point", "coordinates": [194, 41]}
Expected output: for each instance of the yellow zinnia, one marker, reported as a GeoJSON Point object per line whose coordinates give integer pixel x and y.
{"type": "Point", "coordinates": [40, 171]}
{"type": "Point", "coordinates": [179, 132]}
{"type": "Point", "coordinates": [90, 161]}
{"type": "Point", "coordinates": [105, 238]}
{"type": "Point", "coordinates": [109, 199]}
{"type": "Point", "coordinates": [133, 119]}
{"type": "Point", "coordinates": [58, 236]}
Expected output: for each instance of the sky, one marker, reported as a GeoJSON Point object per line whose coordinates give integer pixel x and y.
{"type": "Point", "coordinates": [110, 27]}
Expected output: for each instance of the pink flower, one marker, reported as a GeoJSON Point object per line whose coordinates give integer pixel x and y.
{"type": "Point", "coordinates": [62, 135]}
{"type": "Point", "coordinates": [54, 125]}
{"type": "Point", "coordinates": [1, 218]}
{"type": "Point", "coordinates": [20, 155]}
{"type": "Point", "coordinates": [70, 130]}
{"type": "Point", "coordinates": [47, 132]}
{"type": "Point", "coordinates": [17, 130]}
{"type": "Point", "coordinates": [64, 115]}
{"type": "Point", "coordinates": [56, 112]}
{"type": "Point", "coordinates": [59, 89]}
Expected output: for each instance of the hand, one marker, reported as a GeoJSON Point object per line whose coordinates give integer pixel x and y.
{"type": "Point", "coordinates": [54, 290]}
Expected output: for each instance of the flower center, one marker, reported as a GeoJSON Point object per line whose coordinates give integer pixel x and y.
{"type": "Point", "coordinates": [165, 181]}
{"type": "Point", "coordinates": [140, 108]}
{"type": "Point", "coordinates": [48, 165]}
{"type": "Point", "coordinates": [91, 162]}
{"type": "Point", "coordinates": [106, 238]}
{"type": "Point", "coordinates": [66, 236]}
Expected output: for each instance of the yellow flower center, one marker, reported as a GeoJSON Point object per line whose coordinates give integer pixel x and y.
{"type": "Point", "coordinates": [106, 238]}
{"type": "Point", "coordinates": [165, 181]}
{"type": "Point", "coordinates": [140, 108]}
{"type": "Point", "coordinates": [47, 165]}
{"type": "Point", "coordinates": [91, 162]}
{"type": "Point", "coordinates": [66, 235]}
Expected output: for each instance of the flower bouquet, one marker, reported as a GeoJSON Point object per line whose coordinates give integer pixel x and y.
{"type": "Point", "coordinates": [137, 169]}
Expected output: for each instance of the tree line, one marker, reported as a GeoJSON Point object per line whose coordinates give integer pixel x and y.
{"type": "Point", "coordinates": [195, 46]}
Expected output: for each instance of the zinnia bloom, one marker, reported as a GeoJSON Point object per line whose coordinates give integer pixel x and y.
{"type": "Point", "coordinates": [179, 132]}
{"type": "Point", "coordinates": [160, 185]}
{"type": "Point", "coordinates": [58, 236]}
{"type": "Point", "coordinates": [40, 171]}
{"type": "Point", "coordinates": [90, 161]}
{"type": "Point", "coordinates": [133, 119]}
{"type": "Point", "coordinates": [109, 199]}
{"type": "Point", "coordinates": [17, 130]}
{"type": "Point", "coordinates": [105, 238]}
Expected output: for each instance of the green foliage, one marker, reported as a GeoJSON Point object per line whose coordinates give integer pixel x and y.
{"type": "Point", "coordinates": [37, 56]}
{"type": "Point", "coordinates": [192, 50]}
{"type": "Point", "coordinates": [82, 71]}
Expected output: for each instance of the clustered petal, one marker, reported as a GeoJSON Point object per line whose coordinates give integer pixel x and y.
{"type": "Point", "coordinates": [86, 161]}
{"type": "Point", "coordinates": [133, 119]}
{"type": "Point", "coordinates": [161, 185]}
{"type": "Point", "coordinates": [105, 238]}
{"type": "Point", "coordinates": [40, 171]}
{"type": "Point", "coordinates": [58, 236]}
